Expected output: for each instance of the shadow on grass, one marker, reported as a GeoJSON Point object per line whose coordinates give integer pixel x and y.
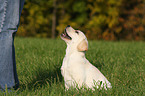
{"type": "Point", "coordinates": [43, 78]}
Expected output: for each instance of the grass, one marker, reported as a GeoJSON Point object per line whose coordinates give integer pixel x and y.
{"type": "Point", "coordinates": [39, 62]}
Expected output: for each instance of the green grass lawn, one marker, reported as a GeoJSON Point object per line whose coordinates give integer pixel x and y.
{"type": "Point", "coordinates": [39, 62]}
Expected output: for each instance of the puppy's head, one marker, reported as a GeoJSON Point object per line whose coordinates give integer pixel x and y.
{"type": "Point", "coordinates": [75, 39]}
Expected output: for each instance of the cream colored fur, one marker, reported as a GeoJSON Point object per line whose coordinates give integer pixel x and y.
{"type": "Point", "coordinates": [76, 69]}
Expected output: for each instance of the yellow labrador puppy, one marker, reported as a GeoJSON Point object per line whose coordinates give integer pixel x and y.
{"type": "Point", "coordinates": [76, 69]}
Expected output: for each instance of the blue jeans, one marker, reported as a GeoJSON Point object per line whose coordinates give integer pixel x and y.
{"type": "Point", "coordinates": [10, 11]}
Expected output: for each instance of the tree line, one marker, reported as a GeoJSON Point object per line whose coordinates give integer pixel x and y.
{"type": "Point", "coordinates": [98, 19]}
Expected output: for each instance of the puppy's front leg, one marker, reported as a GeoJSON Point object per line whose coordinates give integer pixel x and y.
{"type": "Point", "coordinates": [79, 77]}
{"type": "Point", "coordinates": [66, 86]}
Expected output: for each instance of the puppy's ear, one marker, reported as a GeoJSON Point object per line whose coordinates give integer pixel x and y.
{"type": "Point", "coordinates": [83, 45]}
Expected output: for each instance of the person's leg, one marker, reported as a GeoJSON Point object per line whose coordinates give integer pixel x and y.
{"type": "Point", "coordinates": [10, 11]}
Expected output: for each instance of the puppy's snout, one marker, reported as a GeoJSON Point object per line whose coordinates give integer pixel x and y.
{"type": "Point", "coordinates": [69, 28]}
{"type": "Point", "coordinates": [68, 25]}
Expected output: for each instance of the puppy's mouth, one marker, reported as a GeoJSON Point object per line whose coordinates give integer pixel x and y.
{"type": "Point", "coordinates": [65, 35]}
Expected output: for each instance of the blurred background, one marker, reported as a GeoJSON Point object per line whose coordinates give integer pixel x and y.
{"type": "Point", "coordinates": [98, 19]}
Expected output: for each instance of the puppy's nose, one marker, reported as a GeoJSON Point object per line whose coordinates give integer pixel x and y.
{"type": "Point", "coordinates": [68, 25]}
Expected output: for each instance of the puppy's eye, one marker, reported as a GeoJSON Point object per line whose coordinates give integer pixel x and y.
{"type": "Point", "coordinates": [77, 32]}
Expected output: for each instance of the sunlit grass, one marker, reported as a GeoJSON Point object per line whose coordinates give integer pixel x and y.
{"type": "Point", "coordinates": [39, 62]}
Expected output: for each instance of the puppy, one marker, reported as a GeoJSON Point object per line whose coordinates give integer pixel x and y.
{"type": "Point", "coordinates": [76, 69]}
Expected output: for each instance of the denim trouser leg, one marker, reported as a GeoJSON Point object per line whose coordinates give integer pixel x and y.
{"type": "Point", "coordinates": [10, 11]}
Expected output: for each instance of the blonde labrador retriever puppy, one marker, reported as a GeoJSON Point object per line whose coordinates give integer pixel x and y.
{"type": "Point", "coordinates": [76, 69]}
